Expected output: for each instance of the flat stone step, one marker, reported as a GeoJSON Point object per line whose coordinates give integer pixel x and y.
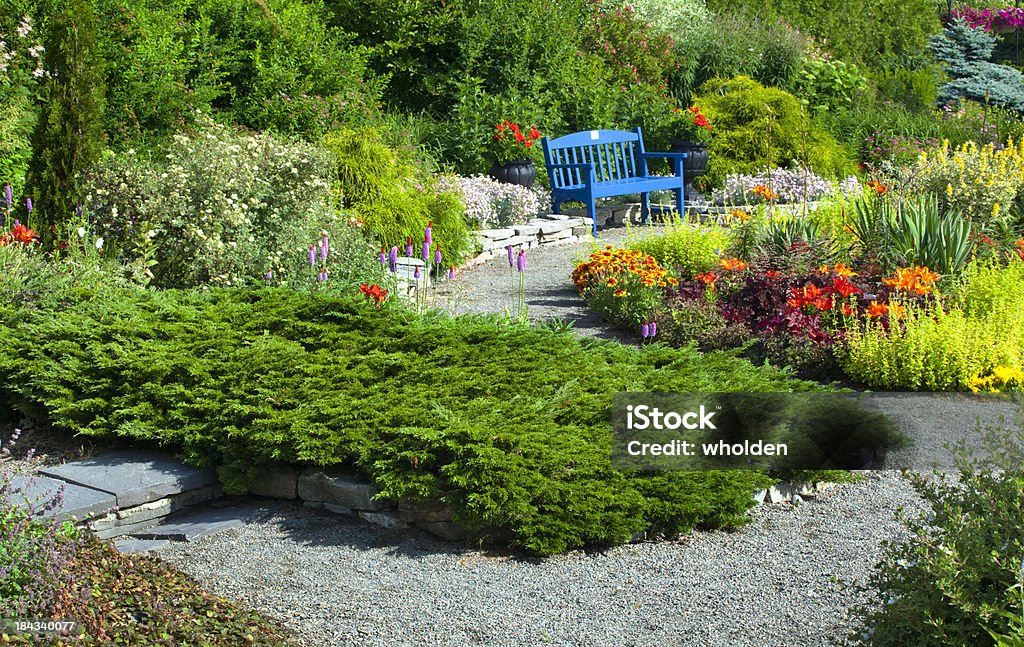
{"type": "Point", "coordinates": [134, 477]}
{"type": "Point", "coordinates": [79, 502]}
{"type": "Point", "coordinates": [195, 525]}
{"type": "Point", "coordinates": [131, 545]}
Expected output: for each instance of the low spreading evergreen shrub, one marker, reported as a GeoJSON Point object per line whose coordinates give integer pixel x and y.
{"type": "Point", "coordinates": [510, 424]}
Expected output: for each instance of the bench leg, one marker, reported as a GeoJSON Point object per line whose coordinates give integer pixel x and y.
{"type": "Point", "coordinates": [679, 202]}
{"type": "Point", "coordinates": [645, 207]}
{"type": "Point", "coordinates": [555, 206]}
{"type": "Point", "coordinates": [592, 212]}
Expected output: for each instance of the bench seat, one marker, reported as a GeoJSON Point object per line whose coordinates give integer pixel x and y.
{"type": "Point", "coordinates": [596, 164]}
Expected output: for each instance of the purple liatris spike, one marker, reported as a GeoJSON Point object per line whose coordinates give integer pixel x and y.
{"type": "Point", "coordinates": [269, 276]}
{"type": "Point", "coordinates": [9, 195]}
{"type": "Point", "coordinates": [312, 254]}
{"type": "Point", "coordinates": [654, 328]}
{"type": "Point", "coordinates": [322, 275]}
{"type": "Point", "coordinates": [382, 257]}
{"type": "Point", "coordinates": [393, 259]}
{"type": "Point", "coordinates": [425, 251]}
{"type": "Point", "coordinates": [437, 256]}
{"type": "Point", "coordinates": [511, 256]}
{"type": "Point", "coordinates": [28, 204]}
{"type": "Point", "coordinates": [408, 246]}
{"type": "Point", "coordinates": [521, 261]}
{"type": "Point", "coordinates": [416, 272]}
{"type": "Point", "coordinates": [324, 248]}
{"type": "Point", "coordinates": [451, 272]}
{"type": "Point", "coordinates": [428, 233]}
{"type": "Point", "coordinates": [645, 330]}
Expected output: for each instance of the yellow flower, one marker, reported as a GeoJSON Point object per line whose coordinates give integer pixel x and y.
{"type": "Point", "coordinates": [995, 210]}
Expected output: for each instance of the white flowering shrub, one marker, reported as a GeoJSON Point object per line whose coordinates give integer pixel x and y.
{"type": "Point", "coordinates": [491, 204]}
{"type": "Point", "coordinates": [219, 207]}
{"type": "Point", "coordinates": [788, 186]}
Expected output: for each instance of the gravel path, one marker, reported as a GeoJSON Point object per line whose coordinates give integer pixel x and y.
{"type": "Point", "coordinates": [488, 288]}
{"type": "Point", "coordinates": [783, 580]}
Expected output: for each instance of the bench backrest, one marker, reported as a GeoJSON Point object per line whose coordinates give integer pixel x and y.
{"type": "Point", "coordinates": [615, 154]}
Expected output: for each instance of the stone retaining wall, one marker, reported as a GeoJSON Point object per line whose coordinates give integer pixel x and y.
{"type": "Point", "coordinates": [341, 492]}
{"type": "Point", "coordinates": [548, 229]}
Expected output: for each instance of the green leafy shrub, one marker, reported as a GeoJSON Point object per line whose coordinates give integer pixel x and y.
{"type": "Point", "coordinates": [879, 32]}
{"type": "Point", "coordinates": [758, 127]}
{"type": "Point", "coordinates": [220, 207]}
{"type": "Point", "coordinates": [244, 380]}
{"type": "Point", "coordinates": [632, 50]}
{"type": "Point", "coordinates": [685, 248]}
{"type": "Point", "coordinates": [914, 89]}
{"type": "Point", "coordinates": [391, 196]}
{"type": "Point", "coordinates": [960, 578]}
{"type": "Point", "coordinates": [942, 348]}
{"type": "Point", "coordinates": [20, 78]}
{"type": "Point", "coordinates": [276, 65]}
{"type": "Point", "coordinates": [826, 83]}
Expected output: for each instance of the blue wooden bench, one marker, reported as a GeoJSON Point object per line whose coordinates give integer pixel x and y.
{"type": "Point", "coordinates": [595, 164]}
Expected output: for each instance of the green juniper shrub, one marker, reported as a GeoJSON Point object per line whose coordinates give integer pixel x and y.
{"type": "Point", "coordinates": [466, 409]}
{"type": "Point", "coordinates": [758, 127]}
{"type": "Point", "coordinates": [392, 196]}
{"type": "Point", "coordinates": [959, 580]}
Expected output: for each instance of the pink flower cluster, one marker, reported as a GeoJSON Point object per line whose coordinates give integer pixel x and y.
{"type": "Point", "coordinates": [1000, 20]}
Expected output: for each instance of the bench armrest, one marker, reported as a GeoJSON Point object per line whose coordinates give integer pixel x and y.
{"type": "Point", "coordinates": [668, 155]}
{"type": "Point", "coordinates": [580, 165]}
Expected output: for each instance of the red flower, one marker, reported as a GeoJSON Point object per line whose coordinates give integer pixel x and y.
{"type": "Point", "coordinates": [19, 234]}
{"type": "Point", "coordinates": [374, 293]}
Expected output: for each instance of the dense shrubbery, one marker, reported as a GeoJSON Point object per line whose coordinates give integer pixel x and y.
{"type": "Point", "coordinates": [758, 127]}
{"type": "Point", "coordinates": [377, 388]}
{"type": "Point", "coordinates": [394, 198]}
{"type": "Point", "coordinates": [960, 578]}
{"type": "Point", "coordinates": [219, 207]}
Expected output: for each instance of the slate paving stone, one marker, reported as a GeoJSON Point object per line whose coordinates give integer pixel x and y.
{"type": "Point", "coordinates": [79, 501]}
{"type": "Point", "coordinates": [132, 545]}
{"type": "Point", "coordinates": [134, 477]}
{"type": "Point", "coordinates": [195, 525]}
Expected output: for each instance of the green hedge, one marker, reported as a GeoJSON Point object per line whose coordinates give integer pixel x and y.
{"type": "Point", "coordinates": [508, 423]}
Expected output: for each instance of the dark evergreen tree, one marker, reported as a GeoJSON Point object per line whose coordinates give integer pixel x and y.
{"type": "Point", "coordinates": [964, 54]}
{"type": "Point", "coordinates": [69, 135]}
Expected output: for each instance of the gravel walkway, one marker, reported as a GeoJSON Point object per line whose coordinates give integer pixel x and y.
{"type": "Point", "coordinates": [783, 580]}
{"type": "Point", "coordinates": [488, 288]}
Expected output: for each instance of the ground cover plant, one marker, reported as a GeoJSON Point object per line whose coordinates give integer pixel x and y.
{"type": "Point", "coordinates": [424, 405]}
{"type": "Point", "coordinates": [960, 578]}
{"type": "Point", "coordinates": [51, 569]}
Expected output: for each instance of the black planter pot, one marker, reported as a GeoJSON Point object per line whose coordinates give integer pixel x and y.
{"type": "Point", "coordinates": [519, 172]}
{"type": "Point", "coordinates": [695, 164]}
